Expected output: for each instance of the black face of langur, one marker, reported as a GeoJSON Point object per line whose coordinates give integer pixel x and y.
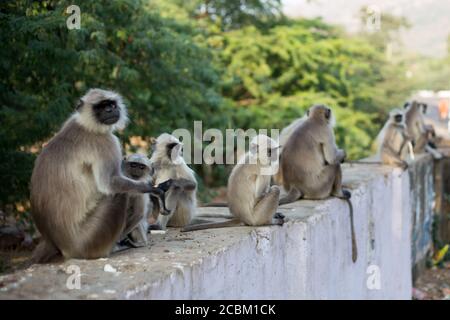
{"type": "Point", "coordinates": [106, 112]}
{"type": "Point", "coordinates": [136, 170]}
{"type": "Point", "coordinates": [398, 118]}
{"type": "Point", "coordinates": [424, 108]}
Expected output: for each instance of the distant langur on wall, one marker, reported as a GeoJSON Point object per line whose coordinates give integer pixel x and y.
{"type": "Point", "coordinates": [311, 163]}
{"type": "Point", "coordinates": [393, 147]}
{"type": "Point", "coordinates": [79, 196]}
{"type": "Point", "coordinates": [418, 130]}
{"type": "Point", "coordinates": [168, 163]}
{"type": "Point", "coordinates": [251, 199]}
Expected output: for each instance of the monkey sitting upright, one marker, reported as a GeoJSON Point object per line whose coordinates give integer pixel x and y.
{"type": "Point", "coordinates": [79, 196]}
{"type": "Point", "coordinates": [168, 163]}
{"type": "Point", "coordinates": [251, 199]}
{"type": "Point", "coordinates": [311, 163]}
{"type": "Point", "coordinates": [140, 206]}
{"type": "Point", "coordinates": [416, 128]}
{"type": "Point", "coordinates": [395, 139]}
{"type": "Point", "coordinates": [284, 136]}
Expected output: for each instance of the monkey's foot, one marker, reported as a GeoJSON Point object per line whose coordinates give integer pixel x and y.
{"type": "Point", "coordinates": [278, 215]}
{"type": "Point", "coordinates": [129, 243]}
{"type": "Point", "coordinates": [155, 226]}
{"type": "Point", "coordinates": [404, 165]}
{"type": "Point", "coordinates": [277, 222]}
{"type": "Point", "coordinates": [346, 194]}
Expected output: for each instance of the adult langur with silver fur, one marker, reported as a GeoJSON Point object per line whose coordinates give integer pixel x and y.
{"type": "Point", "coordinates": [311, 163]}
{"type": "Point", "coordinates": [251, 199]}
{"type": "Point", "coordinates": [395, 138]}
{"type": "Point", "coordinates": [418, 130]}
{"type": "Point", "coordinates": [79, 195]}
{"type": "Point", "coordinates": [168, 163]}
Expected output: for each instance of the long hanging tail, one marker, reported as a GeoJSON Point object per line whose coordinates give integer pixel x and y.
{"type": "Point", "coordinates": [352, 228]}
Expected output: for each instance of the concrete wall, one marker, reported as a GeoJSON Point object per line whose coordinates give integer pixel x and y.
{"type": "Point", "coordinates": [307, 258]}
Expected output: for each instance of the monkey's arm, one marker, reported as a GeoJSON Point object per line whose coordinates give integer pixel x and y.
{"type": "Point", "coordinates": [185, 184]}
{"type": "Point", "coordinates": [110, 180]}
{"type": "Point", "coordinates": [332, 155]}
{"type": "Point", "coordinates": [121, 184]}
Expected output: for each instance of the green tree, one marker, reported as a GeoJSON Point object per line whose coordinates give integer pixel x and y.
{"type": "Point", "coordinates": [166, 78]}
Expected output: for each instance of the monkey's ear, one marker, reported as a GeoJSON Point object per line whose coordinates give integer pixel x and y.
{"type": "Point", "coordinates": [406, 105]}
{"type": "Point", "coordinates": [152, 143]}
{"type": "Point", "coordinates": [79, 104]}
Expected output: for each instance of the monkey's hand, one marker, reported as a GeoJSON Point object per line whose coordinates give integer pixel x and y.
{"type": "Point", "coordinates": [404, 165]}
{"type": "Point", "coordinates": [185, 184]}
{"type": "Point", "coordinates": [341, 156]}
{"type": "Point", "coordinates": [165, 185]}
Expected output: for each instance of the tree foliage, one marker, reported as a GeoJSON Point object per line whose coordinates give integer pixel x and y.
{"type": "Point", "coordinates": [167, 79]}
{"type": "Point", "coordinates": [230, 64]}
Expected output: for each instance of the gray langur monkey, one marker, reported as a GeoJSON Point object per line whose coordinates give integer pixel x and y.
{"type": "Point", "coordinates": [311, 163]}
{"type": "Point", "coordinates": [140, 207]}
{"type": "Point", "coordinates": [251, 199]}
{"type": "Point", "coordinates": [168, 163]}
{"type": "Point", "coordinates": [395, 137]}
{"type": "Point", "coordinates": [284, 136]}
{"type": "Point", "coordinates": [418, 130]}
{"type": "Point", "coordinates": [79, 196]}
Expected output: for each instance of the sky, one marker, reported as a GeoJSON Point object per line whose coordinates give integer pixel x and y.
{"type": "Point", "coordinates": [430, 19]}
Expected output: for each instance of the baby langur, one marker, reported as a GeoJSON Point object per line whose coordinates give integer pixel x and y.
{"type": "Point", "coordinates": [251, 199]}
{"type": "Point", "coordinates": [168, 163]}
{"type": "Point", "coordinates": [79, 195]}
{"type": "Point", "coordinates": [395, 139]}
{"type": "Point", "coordinates": [140, 206]}
{"type": "Point", "coordinates": [311, 163]}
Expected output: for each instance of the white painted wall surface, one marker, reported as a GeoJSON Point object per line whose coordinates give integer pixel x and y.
{"type": "Point", "coordinates": [307, 258]}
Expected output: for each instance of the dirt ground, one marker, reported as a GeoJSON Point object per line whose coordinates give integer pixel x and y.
{"type": "Point", "coordinates": [433, 284]}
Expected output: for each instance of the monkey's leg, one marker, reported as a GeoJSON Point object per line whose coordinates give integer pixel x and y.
{"type": "Point", "coordinates": [420, 143]}
{"type": "Point", "coordinates": [265, 210]}
{"type": "Point", "coordinates": [134, 217]}
{"type": "Point", "coordinates": [390, 157]}
{"type": "Point", "coordinates": [293, 195]}
{"type": "Point", "coordinates": [337, 190]}
{"type": "Point", "coordinates": [44, 252]}
{"type": "Point", "coordinates": [97, 235]}
{"type": "Point", "coordinates": [172, 197]}
{"type": "Point", "coordinates": [436, 154]}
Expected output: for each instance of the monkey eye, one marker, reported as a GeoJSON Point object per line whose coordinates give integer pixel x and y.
{"type": "Point", "coordinates": [142, 167]}
{"type": "Point", "coordinates": [133, 164]}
